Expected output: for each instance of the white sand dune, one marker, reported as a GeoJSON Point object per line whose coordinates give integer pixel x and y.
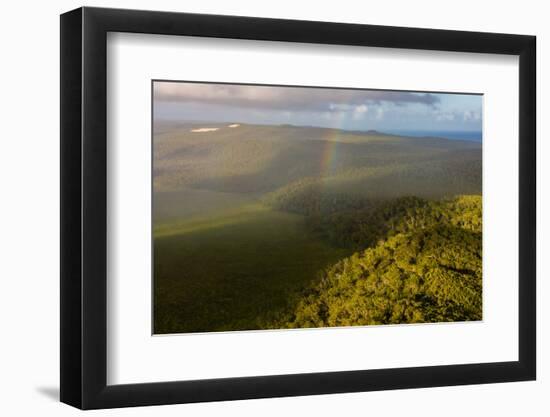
{"type": "Point", "coordinates": [205, 129]}
{"type": "Point", "coordinates": [234, 125]}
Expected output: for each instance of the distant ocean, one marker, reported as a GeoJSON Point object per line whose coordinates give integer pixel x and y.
{"type": "Point", "coordinates": [454, 135]}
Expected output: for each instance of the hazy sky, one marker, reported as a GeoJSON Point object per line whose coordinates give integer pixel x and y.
{"type": "Point", "coordinates": [338, 108]}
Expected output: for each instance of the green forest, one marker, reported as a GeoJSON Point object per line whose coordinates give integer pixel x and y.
{"type": "Point", "coordinates": [422, 263]}
{"type": "Point", "coordinates": [265, 227]}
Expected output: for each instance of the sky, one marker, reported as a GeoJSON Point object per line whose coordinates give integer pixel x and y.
{"type": "Point", "coordinates": [382, 110]}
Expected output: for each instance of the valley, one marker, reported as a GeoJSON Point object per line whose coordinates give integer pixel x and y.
{"type": "Point", "coordinates": [250, 220]}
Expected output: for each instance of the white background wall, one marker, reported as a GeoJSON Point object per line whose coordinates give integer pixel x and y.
{"type": "Point", "coordinates": [29, 237]}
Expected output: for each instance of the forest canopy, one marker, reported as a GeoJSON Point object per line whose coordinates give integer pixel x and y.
{"type": "Point", "coordinates": [281, 226]}
{"type": "Point", "coordinates": [427, 268]}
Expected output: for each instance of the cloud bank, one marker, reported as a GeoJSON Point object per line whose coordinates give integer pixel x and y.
{"type": "Point", "coordinates": [285, 98]}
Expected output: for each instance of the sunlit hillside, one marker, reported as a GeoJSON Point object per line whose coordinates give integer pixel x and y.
{"type": "Point", "coordinates": [425, 266]}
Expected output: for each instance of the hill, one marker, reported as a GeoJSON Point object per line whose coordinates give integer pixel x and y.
{"type": "Point", "coordinates": [260, 159]}
{"type": "Point", "coordinates": [259, 227]}
{"type": "Point", "coordinates": [426, 269]}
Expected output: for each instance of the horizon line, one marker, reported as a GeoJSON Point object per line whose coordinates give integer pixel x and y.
{"type": "Point", "coordinates": [384, 130]}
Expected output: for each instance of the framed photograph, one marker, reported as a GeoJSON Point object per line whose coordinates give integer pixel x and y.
{"type": "Point", "coordinates": [257, 208]}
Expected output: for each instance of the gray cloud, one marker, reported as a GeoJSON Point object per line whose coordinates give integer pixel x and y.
{"type": "Point", "coordinates": [283, 98]}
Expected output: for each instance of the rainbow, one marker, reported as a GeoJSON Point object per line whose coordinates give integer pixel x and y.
{"type": "Point", "coordinates": [329, 155]}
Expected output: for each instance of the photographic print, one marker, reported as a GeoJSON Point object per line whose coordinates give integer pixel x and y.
{"type": "Point", "coordinates": [288, 207]}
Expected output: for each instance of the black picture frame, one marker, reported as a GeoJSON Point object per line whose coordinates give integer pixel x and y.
{"type": "Point", "coordinates": [84, 207]}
